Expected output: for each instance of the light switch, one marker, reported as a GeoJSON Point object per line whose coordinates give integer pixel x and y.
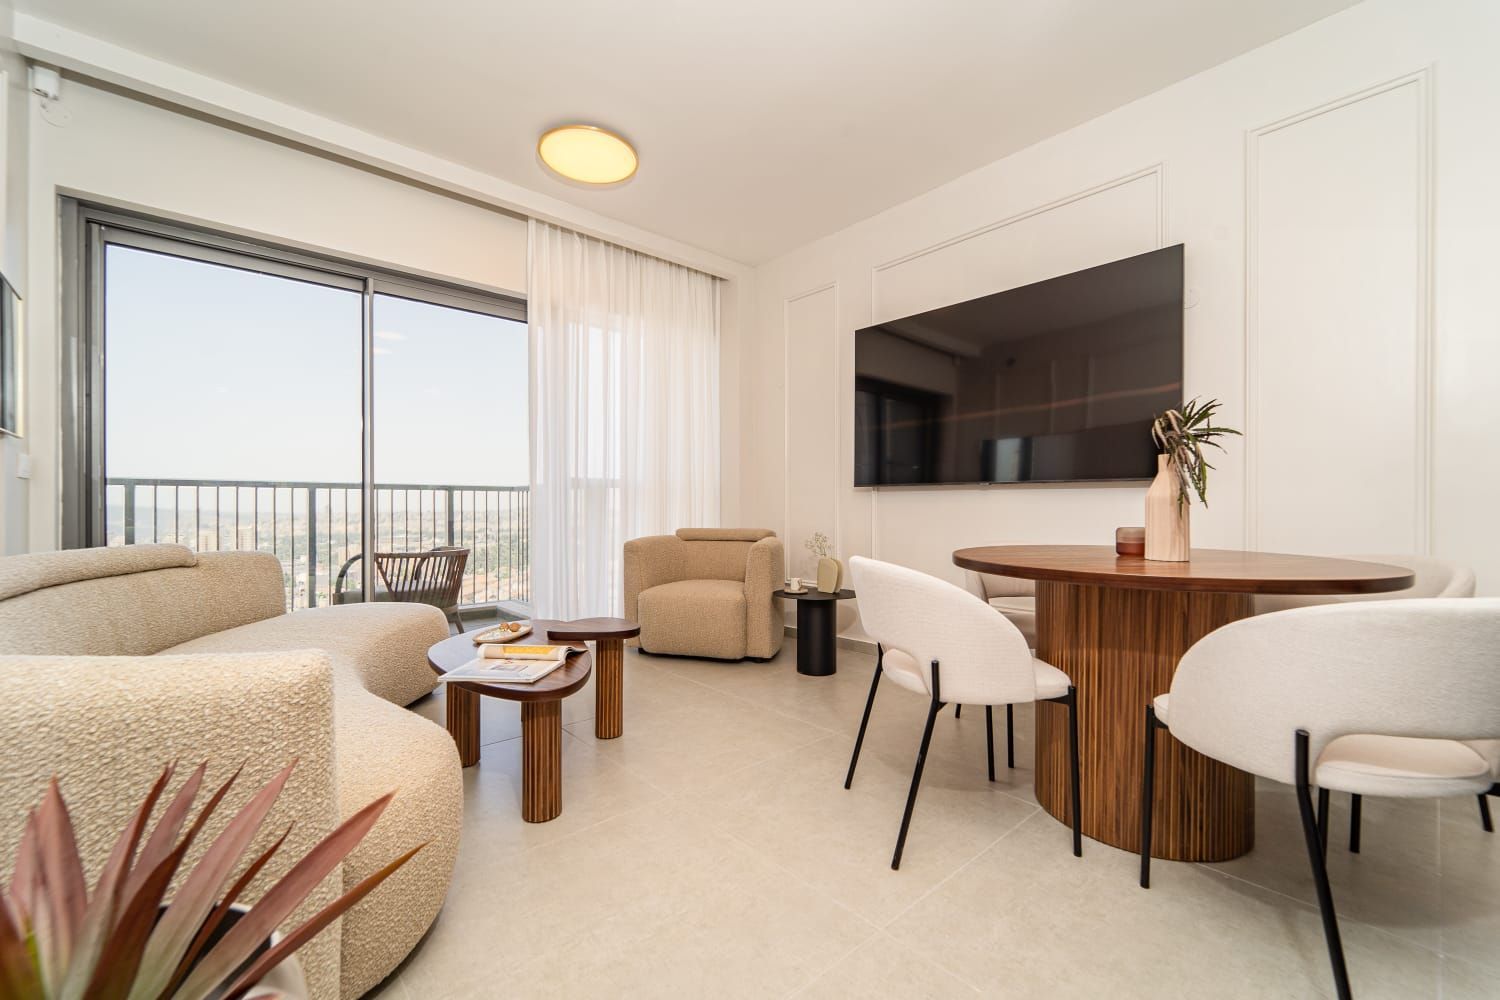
{"type": "Point", "coordinates": [23, 465]}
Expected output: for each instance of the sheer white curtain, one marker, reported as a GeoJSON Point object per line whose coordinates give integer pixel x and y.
{"type": "Point", "coordinates": [624, 412]}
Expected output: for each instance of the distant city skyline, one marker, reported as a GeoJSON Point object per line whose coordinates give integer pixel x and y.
{"type": "Point", "coordinates": [217, 373]}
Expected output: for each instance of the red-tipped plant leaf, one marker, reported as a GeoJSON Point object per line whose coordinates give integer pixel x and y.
{"type": "Point", "coordinates": [104, 905]}
{"type": "Point", "coordinates": [61, 866]}
{"type": "Point", "coordinates": [164, 837]}
{"type": "Point", "coordinates": [25, 878]}
{"type": "Point", "coordinates": [297, 938]}
{"type": "Point", "coordinates": [120, 958]}
{"type": "Point", "coordinates": [195, 897]}
{"type": "Point", "coordinates": [279, 901]}
{"type": "Point", "coordinates": [206, 932]}
{"type": "Point", "coordinates": [19, 977]}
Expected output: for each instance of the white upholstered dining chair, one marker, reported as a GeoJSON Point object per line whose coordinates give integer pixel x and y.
{"type": "Point", "coordinates": [1434, 578]}
{"type": "Point", "coordinates": [943, 642]}
{"type": "Point", "coordinates": [1371, 698]}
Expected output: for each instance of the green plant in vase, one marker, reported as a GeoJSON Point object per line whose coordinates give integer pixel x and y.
{"type": "Point", "coordinates": [1181, 435]}
{"type": "Point", "coordinates": [124, 939]}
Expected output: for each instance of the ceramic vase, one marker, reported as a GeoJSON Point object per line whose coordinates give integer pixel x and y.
{"type": "Point", "coordinates": [830, 575]}
{"type": "Point", "coordinates": [1168, 538]}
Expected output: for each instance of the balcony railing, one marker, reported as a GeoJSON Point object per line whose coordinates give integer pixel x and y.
{"type": "Point", "coordinates": [314, 528]}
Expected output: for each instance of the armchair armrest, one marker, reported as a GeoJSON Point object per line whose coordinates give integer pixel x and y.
{"type": "Point", "coordinates": [765, 572]}
{"type": "Point", "coordinates": [105, 726]}
{"type": "Point", "coordinates": [649, 562]}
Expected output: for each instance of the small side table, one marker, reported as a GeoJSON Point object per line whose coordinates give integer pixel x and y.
{"type": "Point", "coordinates": [608, 636]}
{"type": "Point", "coordinates": [817, 643]}
{"type": "Point", "coordinates": [541, 716]}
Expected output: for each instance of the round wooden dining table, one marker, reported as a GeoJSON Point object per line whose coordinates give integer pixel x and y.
{"type": "Point", "coordinates": [1117, 625]}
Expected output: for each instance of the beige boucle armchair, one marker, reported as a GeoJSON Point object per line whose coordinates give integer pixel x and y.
{"type": "Point", "coordinates": [116, 661]}
{"type": "Point", "coordinates": [706, 592]}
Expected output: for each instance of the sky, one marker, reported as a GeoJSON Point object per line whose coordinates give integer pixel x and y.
{"type": "Point", "coordinates": [217, 373]}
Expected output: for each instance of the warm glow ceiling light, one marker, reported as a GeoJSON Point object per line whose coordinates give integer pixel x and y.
{"type": "Point", "coordinates": [587, 153]}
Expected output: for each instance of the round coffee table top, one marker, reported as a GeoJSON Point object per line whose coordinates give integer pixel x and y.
{"type": "Point", "coordinates": [814, 595]}
{"type": "Point", "coordinates": [581, 629]}
{"type": "Point", "coordinates": [1211, 570]}
{"type": "Point", "coordinates": [458, 650]}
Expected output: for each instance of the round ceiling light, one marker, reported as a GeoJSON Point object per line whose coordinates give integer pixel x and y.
{"type": "Point", "coordinates": [587, 154]}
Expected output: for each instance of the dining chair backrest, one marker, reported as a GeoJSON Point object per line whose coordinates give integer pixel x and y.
{"type": "Point", "coordinates": [1418, 668]}
{"type": "Point", "coordinates": [433, 577]}
{"type": "Point", "coordinates": [1434, 578]}
{"type": "Point", "coordinates": [983, 658]}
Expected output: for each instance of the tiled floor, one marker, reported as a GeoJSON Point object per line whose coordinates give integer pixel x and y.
{"type": "Point", "coordinates": [712, 852]}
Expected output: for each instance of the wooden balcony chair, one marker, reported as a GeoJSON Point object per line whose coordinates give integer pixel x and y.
{"type": "Point", "coordinates": [435, 577]}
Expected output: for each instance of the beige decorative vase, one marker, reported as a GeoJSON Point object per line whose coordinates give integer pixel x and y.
{"type": "Point", "coordinates": [830, 575]}
{"type": "Point", "coordinates": [1168, 538]}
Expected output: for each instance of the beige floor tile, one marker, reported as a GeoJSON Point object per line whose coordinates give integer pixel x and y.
{"type": "Point", "coordinates": [1391, 884]}
{"type": "Point", "coordinates": [886, 969]}
{"type": "Point", "coordinates": [1470, 885]}
{"type": "Point", "coordinates": [1028, 919]}
{"type": "Point", "coordinates": [712, 851]}
{"type": "Point", "coordinates": [645, 905]}
{"type": "Point", "coordinates": [794, 808]}
{"type": "Point", "coordinates": [1468, 980]}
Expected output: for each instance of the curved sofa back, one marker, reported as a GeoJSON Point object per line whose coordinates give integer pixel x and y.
{"type": "Point", "coordinates": [134, 600]}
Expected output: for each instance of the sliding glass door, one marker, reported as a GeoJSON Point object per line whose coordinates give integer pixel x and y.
{"type": "Point", "coordinates": [236, 396]}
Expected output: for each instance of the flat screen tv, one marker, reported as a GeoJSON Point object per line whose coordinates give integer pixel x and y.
{"type": "Point", "coordinates": [1051, 382]}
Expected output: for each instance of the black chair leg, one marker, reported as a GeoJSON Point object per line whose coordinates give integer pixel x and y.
{"type": "Point", "coordinates": [864, 721]}
{"type": "Point", "coordinates": [1316, 846]}
{"type": "Point", "coordinates": [1484, 815]}
{"type": "Point", "coordinates": [1356, 809]}
{"type": "Point", "coordinates": [989, 736]}
{"type": "Point", "coordinates": [1148, 794]}
{"type": "Point", "coordinates": [1010, 737]}
{"type": "Point", "coordinates": [916, 780]}
{"type": "Point", "coordinates": [1323, 819]}
{"type": "Point", "coordinates": [958, 711]}
{"type": "Point", "coordinates": [1077, 795]}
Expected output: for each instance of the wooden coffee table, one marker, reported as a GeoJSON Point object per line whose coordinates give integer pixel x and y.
{"type": "Point", "coordinates": [608, 636]}
{"type": "Point", "coordinates": [541, 715]}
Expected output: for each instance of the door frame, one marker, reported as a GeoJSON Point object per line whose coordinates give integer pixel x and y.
{"type": "Point", "coordinates": [87, 228]}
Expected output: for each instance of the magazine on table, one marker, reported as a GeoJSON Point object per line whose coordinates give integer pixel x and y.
{"type": "Point", "coordinates": [495, 665]}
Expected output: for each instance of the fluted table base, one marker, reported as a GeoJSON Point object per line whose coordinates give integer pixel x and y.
{"type": "Point", "coordinates": [1121, 647]}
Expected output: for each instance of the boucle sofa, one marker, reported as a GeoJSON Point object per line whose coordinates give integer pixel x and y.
{"type": "Point", "coordinates": [706, 592]}
{"type": "Point", "coordinates": [116, 661]}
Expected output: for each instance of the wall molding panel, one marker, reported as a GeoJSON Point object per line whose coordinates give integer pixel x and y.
{"type": "Point", "coordinates": [1351, 183]}
{"type": "Point", "coordinates": [807, 315]}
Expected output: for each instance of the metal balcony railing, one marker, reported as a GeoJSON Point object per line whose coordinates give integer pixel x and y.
{"type": "Point", "coordinates": [314, 528]}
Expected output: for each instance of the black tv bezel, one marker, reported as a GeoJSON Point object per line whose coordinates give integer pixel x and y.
{"type": "Point", "coordinates": [1181, 249]}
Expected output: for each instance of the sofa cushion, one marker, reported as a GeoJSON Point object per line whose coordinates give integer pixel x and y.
{"type": "Point", "coordinates": [694, 618]}
{"type": "Point", "coordinates": [136, 612]}
{"type": "Point", "coordinates": [36, 570]}
{"type": "Point", "coordinates": [382, 748]}
{"type": "Point", "coordinates": [384, 645]}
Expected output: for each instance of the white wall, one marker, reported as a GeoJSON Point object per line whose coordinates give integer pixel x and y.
{"type": "Point", "coordinates": [109, 147]}
{"type": "Point", "coordinates": [1336, 194]}
{"type": "Point", "coordinates": [14, 88]}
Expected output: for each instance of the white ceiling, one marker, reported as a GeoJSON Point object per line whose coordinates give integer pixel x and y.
{"type": "Point", "coordinates": [760, 125]}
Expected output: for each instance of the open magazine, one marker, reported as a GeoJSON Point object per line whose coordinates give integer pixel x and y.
{"type": "Point", "coordinates": [510, 665]}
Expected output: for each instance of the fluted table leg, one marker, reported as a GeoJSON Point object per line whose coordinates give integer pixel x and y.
{"type": "Point", "coordinates": [609, 688]}
{"type": "Point", "coordinates": [463, 722]}
{"type": "Point", "coordinates": [541, 760]}
{"type": "Point", "coordinates": [1120, 647]}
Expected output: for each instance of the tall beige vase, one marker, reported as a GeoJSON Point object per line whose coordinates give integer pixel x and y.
{"type": "Point", "coordinates": [1168, 538]}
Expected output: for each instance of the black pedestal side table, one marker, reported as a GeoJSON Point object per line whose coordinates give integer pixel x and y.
{"type": "Point", "coordinates": [817, 641]}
